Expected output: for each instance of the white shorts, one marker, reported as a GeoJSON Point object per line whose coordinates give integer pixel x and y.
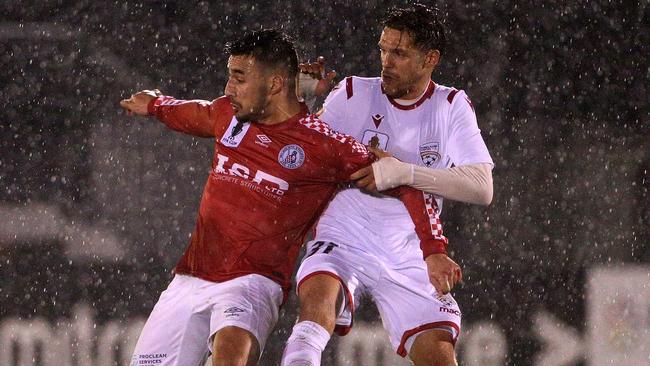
{"type": "Point", "coordinates": [191, 310]}
{"type": "Point", "coordinates": [406, 300]}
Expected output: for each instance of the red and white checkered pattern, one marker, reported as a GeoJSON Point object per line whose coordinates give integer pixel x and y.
{"type": "Point", "coordinates": [314, 123]}
{"type": "Point", "coordinates": [434, 217]}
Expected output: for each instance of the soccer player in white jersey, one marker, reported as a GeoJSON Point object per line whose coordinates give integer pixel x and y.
{"type": "Point", "coordinates": [365, 242]}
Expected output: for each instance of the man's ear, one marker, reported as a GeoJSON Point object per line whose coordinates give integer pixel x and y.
{"type": "Point", "coordinates": [431, 59]}
{"type": "Point", "coordinates": [276, 84]}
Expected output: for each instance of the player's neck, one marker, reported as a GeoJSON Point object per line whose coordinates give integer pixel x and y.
{"type": "Point", "coordinates": [417, 90]}
{"type": "Point", "coordinates": [281, 111]}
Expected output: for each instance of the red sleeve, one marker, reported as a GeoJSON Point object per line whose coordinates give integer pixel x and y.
{"type": "Point", "coordinates": [352, 155]}
{"type": "Point", "coordinates": [343, 153]}
{"type": "Point", "coordinates": [424, 212]}
{"type": "Point", "coordinates": [193, 117]}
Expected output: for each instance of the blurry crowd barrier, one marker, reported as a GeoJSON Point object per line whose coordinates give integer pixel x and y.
{"type": "Point", "coordinates": [81, 332]}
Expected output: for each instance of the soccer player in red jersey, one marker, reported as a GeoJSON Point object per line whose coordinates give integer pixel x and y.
{"type": "Point", "coordinates": [274, 170]}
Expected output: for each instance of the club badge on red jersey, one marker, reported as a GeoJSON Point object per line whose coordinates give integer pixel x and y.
{"type": "Point", "coordinates": [291, 156]}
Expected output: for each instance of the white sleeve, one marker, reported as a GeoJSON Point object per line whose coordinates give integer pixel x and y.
{"type": "Point", "coordinates": [335, 106]}
{"type": "Point", "coordinates": [465, 144]}
{"type": "Point", "coordinates": [471, 183]}
{"type": "Point", "coordinates": [471, 178]}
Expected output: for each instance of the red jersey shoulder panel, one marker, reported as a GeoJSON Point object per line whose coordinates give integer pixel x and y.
{"type": "Point", "coordinates": [314, 123]}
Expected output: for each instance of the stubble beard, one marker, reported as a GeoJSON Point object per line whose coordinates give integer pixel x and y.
{"type": "Point", "coordinates": [401, 87]}
{"type": "Point", "coordinates": [256, 111]}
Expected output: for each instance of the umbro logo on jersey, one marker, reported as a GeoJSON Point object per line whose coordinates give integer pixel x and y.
{"type": "Point", "coordinates": [263, 140]}
{"type": "Point", "coordinates": [233, 311]}
{"type": "Point", "coordinates": [376, 119]}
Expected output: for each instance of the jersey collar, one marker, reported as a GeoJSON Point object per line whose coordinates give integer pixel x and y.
{"type": "Point", "coordinates": [427, 94]}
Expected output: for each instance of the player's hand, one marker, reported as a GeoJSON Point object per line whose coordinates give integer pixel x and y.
{"type": "Point", "coordinates": [444, 273]}
{"type": "Point", "coordinates": [379, 153]}
{"type": "Point", "coordinates": [365, 179]}
{"type": "Point", "coordinates": [139, 102]}
{"type": "Point", "coordinates": [320, 82]}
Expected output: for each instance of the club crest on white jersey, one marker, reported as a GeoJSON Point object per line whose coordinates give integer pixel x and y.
{"type": "Point", "coordinates": [375, 139]}
{"type": "Point", "coordinates": [235, 133]}
{"type": "Point", "coordinates": [429, 153]}
{"type": "Point", "coordinates": [291, 156]}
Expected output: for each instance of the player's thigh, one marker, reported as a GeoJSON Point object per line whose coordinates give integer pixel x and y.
{"type": "Point", "coordinates": [250, 303]}
{"type": "Point", "coordinates": [326, 259]}
{"type": "Point", "coordinates": [175, 334]}
{"type": "Point", "coordinates": [434, 347]}
{"type": "Point", "coordinates": [318, 296]}
{"type": "Point", "coordinates": [410, 306]}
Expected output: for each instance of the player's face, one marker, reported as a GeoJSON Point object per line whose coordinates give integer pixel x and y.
{"type": "Point", "coordinates": [403, 65]}
{"type": "Point", "coordinates": [247, 88]}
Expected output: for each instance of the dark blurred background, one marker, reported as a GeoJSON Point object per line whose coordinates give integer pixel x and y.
{"type": "Point", "coordinates": [96, 207]}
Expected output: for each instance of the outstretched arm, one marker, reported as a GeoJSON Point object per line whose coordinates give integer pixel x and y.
{"type": "Point", "coordinates": [194, 117]}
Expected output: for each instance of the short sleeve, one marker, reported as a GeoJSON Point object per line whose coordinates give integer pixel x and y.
{"type": "Point", "coordinates": [466, 145]}
{"type": "Point", "coordinates": [334, 107]}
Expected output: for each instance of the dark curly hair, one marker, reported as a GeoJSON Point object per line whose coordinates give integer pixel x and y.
{"type": "Point", "coordinates": [424, 24]}
{"type": "Point", "coordinates": [271, 47]}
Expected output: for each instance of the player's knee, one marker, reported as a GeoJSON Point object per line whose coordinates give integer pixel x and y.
{"type": "Point", "coordinates": [230, 360]}
{"type": "Point", "coordinates": [318, 298]}
{"type": "Point", "coordinates": [233, 346]}
{"type": "Point", "coordinates": [321, 311]}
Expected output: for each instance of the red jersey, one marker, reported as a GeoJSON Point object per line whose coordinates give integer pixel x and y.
{"type": "Point", "coordinates": [266, 188]}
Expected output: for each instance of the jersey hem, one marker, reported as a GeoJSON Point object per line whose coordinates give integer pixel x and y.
{"type": "Point", "coordinates": [231, 276]}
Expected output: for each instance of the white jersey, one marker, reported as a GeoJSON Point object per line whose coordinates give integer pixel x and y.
{"type": "Point", "coordinates": [438, 131]}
